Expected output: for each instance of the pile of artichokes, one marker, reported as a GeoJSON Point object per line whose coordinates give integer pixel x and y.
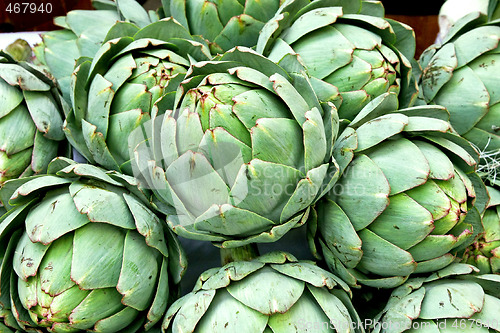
{"type": "Point", "coordinates": [346, 185]}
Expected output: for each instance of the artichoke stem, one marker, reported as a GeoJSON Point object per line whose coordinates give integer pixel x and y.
{"type": "Point", "coordinates": [242, 253]}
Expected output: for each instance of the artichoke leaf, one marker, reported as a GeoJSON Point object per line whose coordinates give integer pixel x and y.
{"type": "Point", "coordinates": [264, 188]}
{"type": "Point", "coordinates": [384, 258]}
{"type": "Point", "coordinates": [267, 291]}
{"type": "Point", "coordinates": [363, 182]}
{"type": "Point", "coordinates": [118, 321]}
{"type": "Point", "coordinates": [139, 272]}
{"type": "Point", "coordinates": [97, 146]}
{"type": "Point", "coordinates": [45, 114]}
{"type": "Point", "coordinates": [106, 242]}
{"type": "Point", "coordinates": [27, 257]}
{"type": "Point", "coordinates": [340, 237]}
{"type": "Point", "coordinates": [105, 205]}
{"type": "Point", "coordinates": [304, 312]}
{"type": "Point", "coordinates": [44, 151]}
{"type": "Point", "coordinates": [55, 268]}
{"type": "Point", "coordinates": [44, 223]}
{"type": "Point", "coordinates": [375, 131]}
{"type": "Point", "coordinates": [451, 299]}
{"type": "Point", "coordinates": [463, 87]}
{"type": "Point", "coordinates": [17, 131]}
{"type": "Point", "coordinates": [161, 297]}
{"type": "Point", "coordinates": [258, 104]}
{"type": "Point", "coordinates": [225, 153]}
{"type": "Point", "coordinates": [10, 98]}
{"type": "Point", "coordinates": [196, 183]}
{"type": "Point", "coordinates": [434, 264]}
{"type": "Point", "coordinates": [16, 75]}
{"type": "Point", "coordinates": [241, 30]}
{"type": "Point", "coordinates": [402, 163]}
{"type": "Point", "coordinates": [277, 141]}
{"type": "Point", "coordinates": [228, 220]}
{"type": "Point", "coordinates": [99, 304]}
{"type": "Point", "coordinates": [311, 21]}
{"type": "Point", "coordinates": [404, 223]}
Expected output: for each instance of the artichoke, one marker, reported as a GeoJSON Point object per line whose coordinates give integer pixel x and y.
{"type": "Point", "coordinates": [81, 250]}
{"type": "Point", "coordinates": [20, 50]}
{"type": "Point", "coordinates": [461, 74]}
{"type": "Point", "coordinates": [128, 79]}
{"type": "Point", "coordinates": [243, 156]}
{"type": "Point", "coordinates": [364, 56]}
{"type": "Point", "coordinates": [83, 33]}
{"type": "Point", "coordinates": [31, 118]}
{"type": "Point", "coordinates": [484, 253]}
{"type": "Point", "coordinates": [405, 201]}
{"type": "Point", "coordinates": [449, 300]}
{"type": "Point", "coordinates": [274, 292]}
{"type": "Point", "coordinates": [225, 24]}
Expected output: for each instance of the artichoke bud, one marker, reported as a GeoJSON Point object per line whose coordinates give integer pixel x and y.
{"type": "Point", "coordinates": [244, 154]}
{"type": "Point", "coordinates": [415, 178]}
{"type": "Point", "coordinates": [453, 299]}
{"type": "Point", "coordinates": [462, 80]}
{"type": "Point", "coordinates": [128, 80]}
{"type": "Point", "coordinates": [361, 55]}
{"type": "Point", "coordinates": [31, 119]}
{"type": "Point", "coordinates": [83, 250]}
{"type": "Point", "coordinates": [274, 292]}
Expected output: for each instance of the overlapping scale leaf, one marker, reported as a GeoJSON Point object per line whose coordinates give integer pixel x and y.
{"type": "Point", "coordinates": [31, 117]}
{"type": "Point", "coordinates": [71, 263]}
{"type": "Point", "coordinates": [131, 76]}
{"type": "Point", "coordinates": [83, 32]}
{"type": "Point", "coordinates": [461, 75]}
{"type": "Point", "coordinates": [358, 53]}
{"type": "Point", "coordinates": [451, 300]}
{"type": "Point", "coordinates": [407, 200]}
{"type": "Point", "coordinates": [272, 293]}
{"type": "Point", "coordinates": [224, 24]}
{"type": "Point", "coordinates": [244, 154]}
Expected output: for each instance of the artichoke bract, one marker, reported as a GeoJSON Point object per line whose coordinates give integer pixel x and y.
{"type": "Point", "coordinates": [274, 292]}
{"type": "Point", "coordinates": [243, 156]}
{"type": "Point", "coordinates": [31, 118]}
{"type": "Point", "coordinates": [407, 199]}
{"type": "Point", "coordinates": [225, 24]}
{"type": "Point", "coordinates": [450, 300]}
{"type": "Point", "coordinates": [484, 253]}
{"type": "Point", "coordinates": [82, 250]}
{"type": "Point", "coordinates": [82, 35]}
{"type": "Point", "coordinates": [129, 78]}
{"type": "Point", "coordinates": [363, 56]}
{"type": "Point", "coordinates": [462, 74]}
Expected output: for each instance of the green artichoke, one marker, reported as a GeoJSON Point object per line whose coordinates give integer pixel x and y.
{"type": "Point", "coordinates": [83, 33]}
{"type": "Point", "coordinates": [81, 250]}
{"type": "Point", "coordinates": [405, 201]}
{"type": "Point", "coordinates": [484, 253]}
{"type": "Point", "coordinates": [243, 156]}
{"type": "Point", "coordinates": [449, 301]}
{"type": "Point", "coordinates": [364, 56]}
{"type": "Point", "coordinates": [462, 74]}
{"type": "Point", "coordinates": [129, 79]}
{"type": "Point", "coordinates": [273, 293]}
{"type": "Point", "coordinates": [225, 24]}
{"type": "Point", "coordinates": [31, 119]}
{"type": "Point", "coordinates": [20, 50]}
